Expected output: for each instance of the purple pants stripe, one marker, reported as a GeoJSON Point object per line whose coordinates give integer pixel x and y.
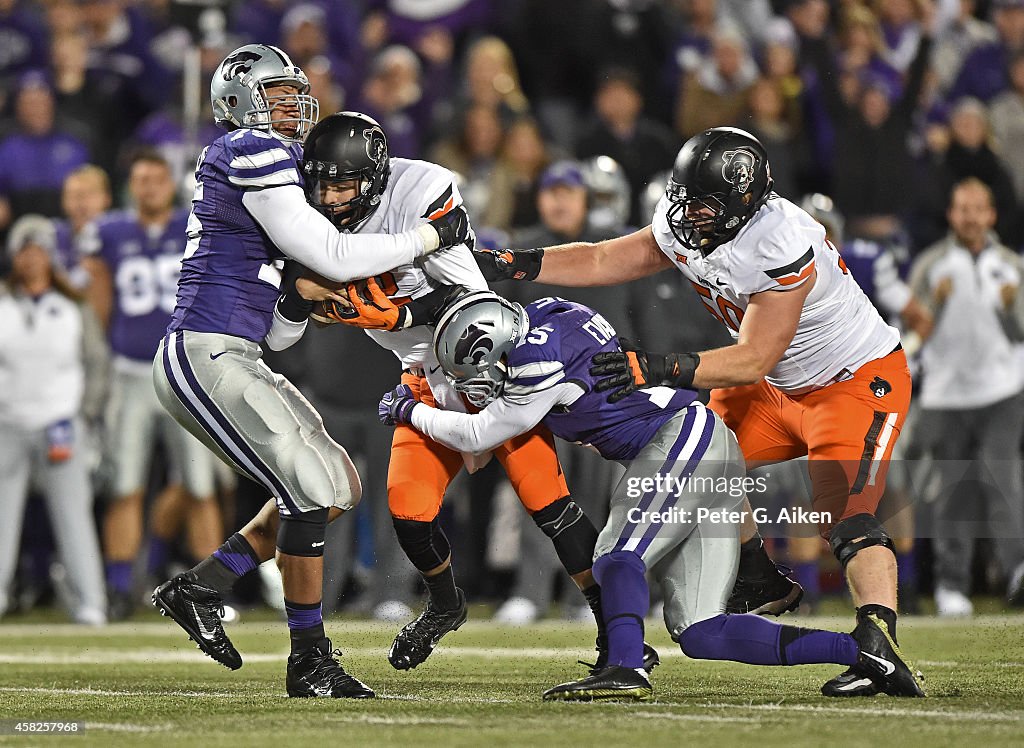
{"type": "Point", "coordinates": [691, 465]}
{"type": "Point", "coordinates": [191, 394]}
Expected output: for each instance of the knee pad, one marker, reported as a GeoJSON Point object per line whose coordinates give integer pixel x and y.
{"type": "Point", "coordinates": [303, 534]}
{"type": "Point", "coordinates": [852, 535]}
{"type": "Point", "coordinates": [571, 531]}
{"type": "Point", "coordinates": [424, 543]}
{"type": "Point", "coordinates": [609, 561]}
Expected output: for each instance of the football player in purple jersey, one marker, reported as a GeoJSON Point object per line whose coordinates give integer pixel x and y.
{"type": "Point", "coordinates": [249, 214]}
{"type": "Point", "coordinates": [675, 512]}
{"type": "Point", "coordinates": [132, 258]}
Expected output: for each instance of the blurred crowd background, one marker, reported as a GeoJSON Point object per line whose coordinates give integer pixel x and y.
{"type": "Point", "coordinates": [897, 123]}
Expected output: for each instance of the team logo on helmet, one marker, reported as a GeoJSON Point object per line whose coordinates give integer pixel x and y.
{"type": "Point", "coordinates": [473, 346]}
{"type": "Point", "coordinates": [375, 143]}
{"type": "Point", "coordinates": [739, 167]}
{"type": "Point", "coordinates": [239, 63]}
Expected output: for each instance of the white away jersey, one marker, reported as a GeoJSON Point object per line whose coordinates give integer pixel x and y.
{"type": "Point", "coordinates": [417, 192]}
{"type": "Point", "coordinates": [779, 250]}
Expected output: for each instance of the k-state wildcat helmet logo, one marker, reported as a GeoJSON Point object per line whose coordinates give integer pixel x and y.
{"type": "Point", "coordinates": [474, 345]}
{"type": "Point", "coordinates": [239, 63]}
{"type": "Point", "coordinates": [739, 168]}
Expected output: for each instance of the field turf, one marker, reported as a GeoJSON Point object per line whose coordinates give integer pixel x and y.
{"type": "Point", "coordinates": [142, 683]}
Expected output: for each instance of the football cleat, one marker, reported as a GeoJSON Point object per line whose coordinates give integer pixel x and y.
{"type": "Point", "coordinates": [613, 682]}
{"type": "Point", "coordinates": [198, 609]}
{"type": "Point", "coordinates": [881, 657]}
{"type": "Point", "coordinates": [853, 682]}
{"type": "Point", "coordinates": [418, 638]}
{"type": "Point", "coordinates": [765, 591]}
{"type": "Point", "coordinates": [651, 657]}
{"type": "Point", "coordinates": [317, 673]}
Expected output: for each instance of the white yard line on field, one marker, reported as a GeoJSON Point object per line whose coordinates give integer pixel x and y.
{"type": "Point", "coordinates": [654, 709]}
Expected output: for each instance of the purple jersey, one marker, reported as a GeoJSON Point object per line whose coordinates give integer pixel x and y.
{"type": "Point", "coordinates": [562, 339]}
{"type": "Point", "coordinates": [231, 271]}
{"type": "Point", "coordinates": [144, 266]}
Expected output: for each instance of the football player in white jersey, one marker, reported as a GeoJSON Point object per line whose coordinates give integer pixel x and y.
{"type": "Point", "coordinates": [815, 370]}
{"type": "Point", "coordinates": [350, 178]}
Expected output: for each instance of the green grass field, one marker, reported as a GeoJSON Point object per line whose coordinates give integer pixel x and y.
{"type": "Point", "coordinates": [142, 683]}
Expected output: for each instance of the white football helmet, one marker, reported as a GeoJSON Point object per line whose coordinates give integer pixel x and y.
{"type": "Point", "coordinates": [472, 340]}
{"type": "Point", "coordinates": [238, 91]}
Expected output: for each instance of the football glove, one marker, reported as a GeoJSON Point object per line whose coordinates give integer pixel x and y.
{"type": "Point", "coordinates": [290, 304]}
{"type": "Point", "coordinates": [371, 309]}
{"type": "Point", "coordinates": [506, 264]}
{"type": "Point", "coordinates": [633, 368]}
{"type": "Point", "coordinates": [453, 228]}
{"type": "Point", "coordinates": [396, 406]}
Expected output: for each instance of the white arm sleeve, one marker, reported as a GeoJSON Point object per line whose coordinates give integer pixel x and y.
{"type": "Point", "coordinates": [495, 424]}
{"type": "Point", "coordinates": [305, 235]}
{"type": "Point", "coordinates": [283, 332]}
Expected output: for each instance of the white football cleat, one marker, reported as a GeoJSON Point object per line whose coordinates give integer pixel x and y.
{"type": "Point", "coordinates": [951, 603]}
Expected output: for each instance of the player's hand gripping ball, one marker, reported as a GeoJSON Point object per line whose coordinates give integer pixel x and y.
{"type": "Point", "coordinates": [366, 305]}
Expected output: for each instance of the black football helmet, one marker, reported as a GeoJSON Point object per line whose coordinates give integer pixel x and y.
{"type": "Point", "coordinates": [343, 147]}
{"type": "Point", "coordinates": [725, 170]}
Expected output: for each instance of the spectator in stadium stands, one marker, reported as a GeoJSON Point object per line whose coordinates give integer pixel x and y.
{"type": "Point", "coordinates": [972, 406]}
{"type": "Point", "coordinates": [393, 95]}
{"type": "Point", "coordinates": [957, 42]}
{"type": "Point", "coordinates": [24, 43]}
{"type": "Point", "coordinates": [715, 93]}
{"type": "Point", "coordinates": [119, 40]}
{"type": "Point", "coordinates": [965, 152]}
{"type": "Point", "coordinates": [473, 152]}
{"type": "Point", "coordinates": [871, 162]}
{"type": "Point", "coordinates": [900, 26]}
{"type": "Point", "coordinates": [985, 72]}
{"type": "Point", "coordinates": [88, 100]}
{"type": "Point", "coordinates": [767, 120]}
{"type": "Point", "coordinates": [490, 78]}
{"type": "Point", "coordinates": [1006, 116]}
{"type": "Point", "coordinates": [526, 155]}
{"type": "Point", "coordinates": [36, 157]}
{"type": "Point", "coordinates": [85, 196]}
{"type": "Point", "coordinates": [640, 144]}
{"type": "Point", "coordinates": [52, 378]}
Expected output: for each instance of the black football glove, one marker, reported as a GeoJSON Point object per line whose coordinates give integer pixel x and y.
{"type": "Point", "coordinates": [427, 309]}
{"type": "Point", "coordinates": [633, 368]}
{"type": "Point", "coordinates": [506, 264]}
{"type": "Point", "coordinates": [290, 304]}
{"type": "Point", "coordinates": [453, 228]}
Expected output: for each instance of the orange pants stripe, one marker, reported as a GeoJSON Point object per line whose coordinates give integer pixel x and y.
{"type": "Point", "coordinates": [421, 469]}
{"type": "Point", "coordinates": [847, 430]}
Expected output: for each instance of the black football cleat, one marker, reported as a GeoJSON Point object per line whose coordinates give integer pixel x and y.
{"type": "Point", "coordinates": [317, 673]}
{"type": "Point", "coordinates": [853, 682]}
{"type": "Point", "coordinates": [766, 590]}
{"type": "Point", "coordinates": [881, 657]}
{"type": "Point", "coordinates": [198, 609]}
{"type": "Point", "coordinates": [418, 638]}
{"type": "Point", "coordinates": [612, 683]}
{"type": "Point", "coordinates": [651, 657]}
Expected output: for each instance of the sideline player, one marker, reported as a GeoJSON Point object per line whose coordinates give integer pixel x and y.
{"type": "Point", "coordinates": [815, 370]}
{"type": "Point", "coordinates": [248, 214]}
{"type": "Point", "coordinates": [533, 365]}
{"type": "Point", "coordinates": [351, 180]}
{"type": "Point", "coordinates": [133, 258]}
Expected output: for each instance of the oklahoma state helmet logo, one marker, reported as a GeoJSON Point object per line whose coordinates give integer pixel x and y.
{"type": "Point", "coordinates": [739, 167]}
